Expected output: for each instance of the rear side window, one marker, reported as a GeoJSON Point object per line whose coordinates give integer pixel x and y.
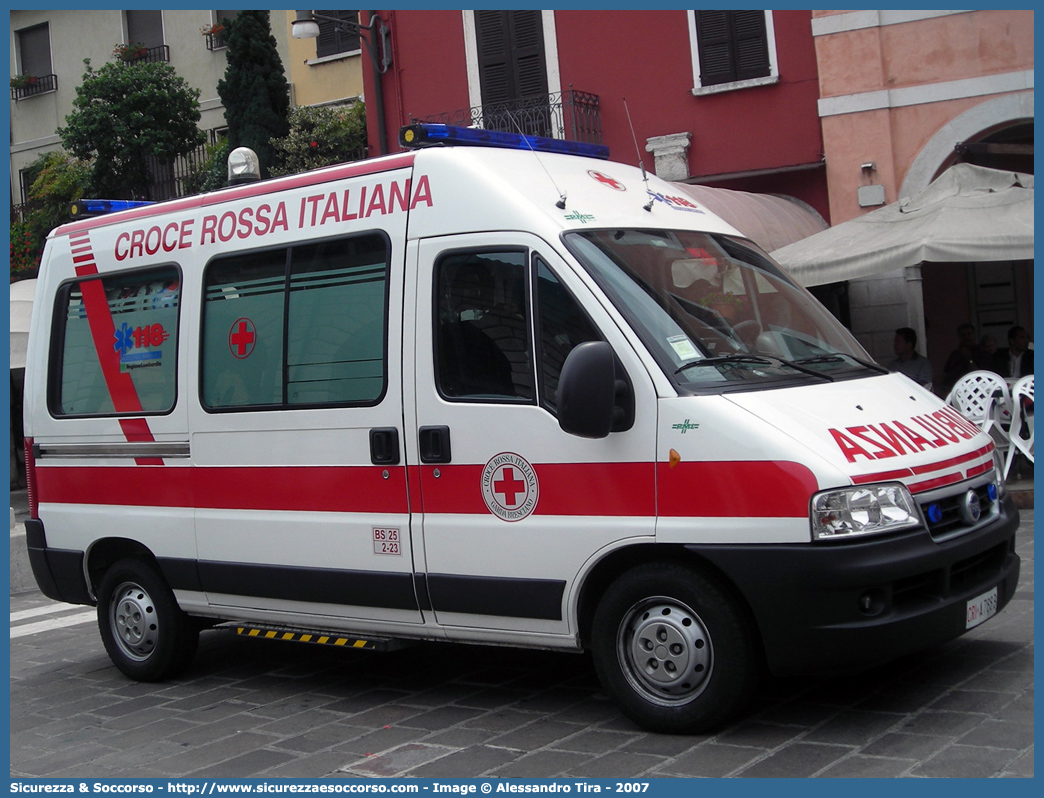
{"type": "Point", "coordinates": [118, 344]}
{"type": "Point", "coordinates": [298, 327]}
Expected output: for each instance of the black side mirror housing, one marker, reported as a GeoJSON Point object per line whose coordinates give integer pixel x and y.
{"type": "Point", "coordinates": [592, 400]}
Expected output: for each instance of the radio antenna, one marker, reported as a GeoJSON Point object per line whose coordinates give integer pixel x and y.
{"type": "Point", "coordinates": [561, 194]}
{"type": "Point", "coordinates": [641, 164]}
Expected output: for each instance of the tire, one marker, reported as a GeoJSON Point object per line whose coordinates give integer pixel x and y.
{"type": "Point", "coordinates": [674, 649]}
{"type": "Point", "coordinates": [145, 633]}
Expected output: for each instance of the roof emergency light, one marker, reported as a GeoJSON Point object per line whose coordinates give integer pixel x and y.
{"type": "Point", "coordinates": [243, 166]}
{"type": "Point", "coordinates": [431, 135]}
{"type": "Point", "coordinates": [86, 208]}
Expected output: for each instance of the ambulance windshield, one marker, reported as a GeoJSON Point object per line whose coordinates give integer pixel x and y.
{"type": "Point", "coordinates": [716, 313]}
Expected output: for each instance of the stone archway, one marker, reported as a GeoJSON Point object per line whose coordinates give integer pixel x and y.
{"type": "Point", "coordinates": [966, 127]}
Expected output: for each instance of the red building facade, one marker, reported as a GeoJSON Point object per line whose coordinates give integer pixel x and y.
{"type": "Point", "coordinates": [727, 99]}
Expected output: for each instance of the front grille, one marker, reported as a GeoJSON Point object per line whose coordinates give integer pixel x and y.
{"type": "Point", "coordinates": [951, 522]}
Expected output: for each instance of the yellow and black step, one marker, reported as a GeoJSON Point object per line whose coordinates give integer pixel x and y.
{"type": "Point", "coordinates": [315, 637]}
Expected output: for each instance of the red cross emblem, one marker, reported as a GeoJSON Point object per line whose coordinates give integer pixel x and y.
{"type": "Point", "coordinates": [605, 180]}
{"type": "Point", "coordinates": [509, 487]}
{"type": "Point", "coordinates": [241, 338]}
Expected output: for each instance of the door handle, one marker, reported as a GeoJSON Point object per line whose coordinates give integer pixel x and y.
{"type": "Point", "coordinates": [384, 446]}
{"type": "Point", "coordinates": [434, 444]}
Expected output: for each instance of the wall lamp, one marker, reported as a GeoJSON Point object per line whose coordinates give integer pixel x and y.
{"type": "Point", "coordinates": [377, 40]}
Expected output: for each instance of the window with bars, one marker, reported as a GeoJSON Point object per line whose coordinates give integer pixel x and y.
{"type": "Point", "coordinates": [732, 47]}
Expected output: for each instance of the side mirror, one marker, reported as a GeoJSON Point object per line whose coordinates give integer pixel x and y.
{"type": "Point", "coordinates": [592, 402]}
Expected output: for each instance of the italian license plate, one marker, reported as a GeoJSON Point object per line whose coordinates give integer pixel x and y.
{"type": "Point", "coordinates": [981, 608]}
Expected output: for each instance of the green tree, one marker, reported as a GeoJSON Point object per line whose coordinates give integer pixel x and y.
{"type": "Point", "coordinates": [320, 137]}
{"type": "Point", "coordinates": [212, 173]}
{"type": "Point", "coordinates": [125, 112]}
{"type": "Point", "coordinates": [55, 181]}
{"type": "Point", "coordinates": [254, 90]}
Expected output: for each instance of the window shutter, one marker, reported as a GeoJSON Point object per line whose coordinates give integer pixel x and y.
{"type": "Point", "coordinates": [751, 44]}
{"type": "Point", "coordinates": [510, 55]}
{"type": "Point", "coordinates": [712, 33]}
{"type": "Point", "coordinates": [493, 56]}
{"type": "Point", "coordinates": [733, 46]}
{"type": "Point", "coordinates": [530, 66]}
{"type": "Point", "coordinates": [145, 27]}
{"type": "Point", "coordinates": [332, 41]}
{"type": "Point", "coordinates": [34, 50]}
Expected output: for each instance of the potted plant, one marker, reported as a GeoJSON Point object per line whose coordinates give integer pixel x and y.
{"type": "Point", "coordinates": [130, 52]}
{"type": "Point", "coordinates": [23, 81]}
{"type": "Point", "coordinates": [215, 34]}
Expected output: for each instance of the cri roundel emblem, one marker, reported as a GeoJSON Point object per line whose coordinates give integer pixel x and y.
{"type": "Point", "coordinates": [509, 486]}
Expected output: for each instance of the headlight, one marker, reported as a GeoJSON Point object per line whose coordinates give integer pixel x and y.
{"type": "Point", "coordinates": [862, 510]}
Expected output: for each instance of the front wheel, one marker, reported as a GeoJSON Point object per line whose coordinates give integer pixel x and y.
{"type": "Point", "coordinates": [145, 632]}
{"type": "Point", "coordinates": [674, 649]}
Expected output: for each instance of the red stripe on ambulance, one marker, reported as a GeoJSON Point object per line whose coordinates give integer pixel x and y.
{"type": "Point", "coordinates": [739, 489]}
{"type": "Point", "coordinates": [332, 489]}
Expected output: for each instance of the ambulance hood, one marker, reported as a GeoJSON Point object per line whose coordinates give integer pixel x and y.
{"type": "Point", "coordinates": [877, 429]}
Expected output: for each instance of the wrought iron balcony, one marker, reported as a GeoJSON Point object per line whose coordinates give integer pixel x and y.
{"type": "Point", "coordinates": [570, 115]}
{"type": "Point", "coordinates": [32, 85]}
{"type": "Point", "coordinates": [133, 53]}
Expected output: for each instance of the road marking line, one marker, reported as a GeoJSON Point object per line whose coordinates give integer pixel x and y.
{"type": "Point", "coordinates": [53, 623]}
{"type": "Point", "coordinates": [47, 609]}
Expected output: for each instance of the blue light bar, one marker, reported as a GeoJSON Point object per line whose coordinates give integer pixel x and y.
{"type": "Point", "coordinates": [430, 135]}
{"type": "Point", "coordinates": [84, 208]}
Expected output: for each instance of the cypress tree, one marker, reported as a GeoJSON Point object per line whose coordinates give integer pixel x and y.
{"type": "Point", "coordinates": [254, 90]}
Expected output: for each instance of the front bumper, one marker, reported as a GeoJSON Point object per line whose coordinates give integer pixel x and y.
{"type": "Point", "coordinates": [844, 605]}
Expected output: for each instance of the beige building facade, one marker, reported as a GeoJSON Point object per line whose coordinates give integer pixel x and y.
{"type": "Point", "coordinates": [327, 70]}
{"type": "Point", "coordinates": [903, 96]}
{"type": "Point", "coordinates": [50, 47]}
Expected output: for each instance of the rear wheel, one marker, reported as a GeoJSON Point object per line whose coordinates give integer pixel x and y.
{"type": "Point", "coordinates": [674, 649]}
{"type": "Point", "coordinates": [145, 633]}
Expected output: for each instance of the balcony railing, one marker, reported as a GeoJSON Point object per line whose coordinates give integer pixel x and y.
{"type": "Point", "coordinates": [34, 85]}
{"type": "Point", "coordinates": [218, 40]}
{"type": "Point", "coordinates": [570, 115]}
{"type": "Point", "coordinates": [131, 54]}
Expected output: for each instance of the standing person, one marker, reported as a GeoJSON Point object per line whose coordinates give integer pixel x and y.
{"type": "Point", "coordinates": [1017, 360]}
{"type": "Point", "coordinates": [907, 361]}
{"type": "Point", "coordinates": [968, 356]}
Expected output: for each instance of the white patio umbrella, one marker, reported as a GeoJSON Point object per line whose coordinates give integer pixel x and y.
{"type": "Point", "coordinates": [968, 214]}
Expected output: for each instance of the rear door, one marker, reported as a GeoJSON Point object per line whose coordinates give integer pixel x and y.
{"type": "Point", "coordinates": [513, 507]}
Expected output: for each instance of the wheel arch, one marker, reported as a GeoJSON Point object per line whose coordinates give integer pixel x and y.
{"type": "Point", "coordinates": [617, 562]}
{"type": "Point", "coordinates": [105, 553]}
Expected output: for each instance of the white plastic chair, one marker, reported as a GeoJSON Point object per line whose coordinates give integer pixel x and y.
{"type": "Point", "coordinates": [1021, 432]}
{"type": "Point", "coordinates": [984, 399]}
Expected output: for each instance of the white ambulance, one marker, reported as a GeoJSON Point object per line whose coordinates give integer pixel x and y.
{"type": "Point", "coordinates": [490, 395]}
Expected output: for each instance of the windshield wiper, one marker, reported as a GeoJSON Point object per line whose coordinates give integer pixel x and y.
{"type": "Point", "coordinates": [724, 359]}
{"type": "Point", "coordinates": [839, 358]}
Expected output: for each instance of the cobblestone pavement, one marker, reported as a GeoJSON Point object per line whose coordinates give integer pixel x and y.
{"type": "Point", "coordinates": [255, 708]}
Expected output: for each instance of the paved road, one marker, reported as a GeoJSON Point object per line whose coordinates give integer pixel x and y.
{"type": "Point", "coordinates": [254, 708]}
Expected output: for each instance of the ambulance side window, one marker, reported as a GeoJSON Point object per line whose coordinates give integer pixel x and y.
{"type": "Point", "coordinates": [562, 324]}
{"type": "Point", "coordinates": [131, 369]}
{"type": "Point", "coordinates": [482, 343]}
{"type": "Point", "coordinates": [298, 327]}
